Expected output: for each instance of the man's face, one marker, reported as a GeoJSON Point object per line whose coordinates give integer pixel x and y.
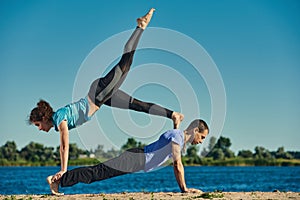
{"type": "Point", "coordinates": [199, 137]}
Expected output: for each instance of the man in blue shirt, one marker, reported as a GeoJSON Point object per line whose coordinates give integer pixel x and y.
{"type": "Point", "coordinates": [169, 145]}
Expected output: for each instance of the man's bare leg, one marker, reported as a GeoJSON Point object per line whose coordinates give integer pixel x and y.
{"type": "Point", "coordinates": [177, 118]}
{"type": "Point", "coordinates": [144, 21]}
{"type": "Point", "coordinates": [53, 186]}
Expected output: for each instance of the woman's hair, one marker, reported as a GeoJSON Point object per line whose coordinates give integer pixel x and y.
{"type": "Point", "coordinates": [42, 110]}
{"type": "Point", "coordinates": [200, 124]}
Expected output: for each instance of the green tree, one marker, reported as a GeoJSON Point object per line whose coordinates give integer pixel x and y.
{"type": "Point", "coordinates": [212, 143]}
{"type": "Point", "coordinates": [261, 152]}
{"type": "Point", "coordinates": [221, 149]}
{"type": "Point", "coordinates": [223, 143]}
{"type": "Point", "coordinates": [48, 154]}
{"type": "Point", "coordinates": [280, 153]}
{"type": "Point", "coordinates": [35, 152]}
{"type": "Point", "coordinates": [74, 152]}
{"type": "Point", "coordinates": [9, 151]}
{"type": "Point", "coordinates": [132, 143]}
{"type": "Point", "coordinates": [217, 154]}
{"type": "Point", "coordinates": [245, 154]}
{"type": "Point", "coordinates": [228, 153]}
{"type": "Point", "coordinates": [192, 155]}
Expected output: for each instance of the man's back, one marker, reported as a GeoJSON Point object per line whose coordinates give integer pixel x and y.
{"type": "Point", "coordinates": [160, 151]}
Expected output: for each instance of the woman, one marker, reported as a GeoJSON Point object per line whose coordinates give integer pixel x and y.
{"type": "Point", "coordinates": [102, 91]}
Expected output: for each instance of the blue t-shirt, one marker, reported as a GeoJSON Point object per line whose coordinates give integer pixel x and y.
{"type": "Point", "coordinates": [75, 114]}
{"type": "Point", "coordinates": [160, 151]}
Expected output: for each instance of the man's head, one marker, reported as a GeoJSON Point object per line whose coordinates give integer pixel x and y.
{"type": "Point", "coordinates": [198, 129]}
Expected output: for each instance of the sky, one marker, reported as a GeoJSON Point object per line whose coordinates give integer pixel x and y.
{"type": "Point", "coordinates": [235, 64]}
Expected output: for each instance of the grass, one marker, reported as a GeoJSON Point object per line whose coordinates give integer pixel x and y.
{"type": "Point", "coordinates": [13, 197]}
{"type": "Point", "coordinates": [209, 195]}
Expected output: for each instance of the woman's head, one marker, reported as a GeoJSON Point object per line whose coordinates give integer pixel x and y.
{"type": "Point", "coordinates": [198, 129]}
{"type": "Point", "coordinates": [41, 116]}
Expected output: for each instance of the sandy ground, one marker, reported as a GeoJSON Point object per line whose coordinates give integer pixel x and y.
{"type": "Point", "coordinates": [164, 195]}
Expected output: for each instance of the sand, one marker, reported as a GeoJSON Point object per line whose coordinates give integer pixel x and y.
{"type": "Point", "coordinates": [166, 195]}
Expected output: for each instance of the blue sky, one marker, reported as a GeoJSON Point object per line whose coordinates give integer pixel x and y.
{"type": "Point", "coordinates": [254, 44]}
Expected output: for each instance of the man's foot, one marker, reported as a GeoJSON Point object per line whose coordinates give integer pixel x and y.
{"type": "Point", "coordinates": [177, 118]}
{"type": "Point", "coordinates": [53, 186]}
{"type": "Point", "coordinates": [192, 190]}
{"type": "Point", "coordinates": [144, 21]}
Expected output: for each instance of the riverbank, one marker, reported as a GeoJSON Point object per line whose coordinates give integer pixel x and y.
{"type": "Point", "coordinates": [164, 195]}
{"type": "Point", "coordinates": [237, 161]}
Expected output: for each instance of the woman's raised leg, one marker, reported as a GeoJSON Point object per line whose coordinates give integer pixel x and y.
{"type": "Point", "coordinates": [103, 88]}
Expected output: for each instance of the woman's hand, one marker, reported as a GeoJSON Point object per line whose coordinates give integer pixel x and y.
{"type": "Point", "coordinates": [57, 176]}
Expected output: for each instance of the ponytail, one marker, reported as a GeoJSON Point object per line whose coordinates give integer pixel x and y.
{"type": "Point", "coordinates": [42, 111]}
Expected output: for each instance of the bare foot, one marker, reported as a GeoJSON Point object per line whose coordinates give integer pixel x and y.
{"type": "Point", "coordinates": [144, 21]}
{"type": "Point", "coordinates": [177, 118]}
{"type": "Point", "coordinates": [53, 186]}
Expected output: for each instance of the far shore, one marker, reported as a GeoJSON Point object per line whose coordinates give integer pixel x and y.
{"type": "Point", "coordinates": [205, 162]}
{"type": "Point", "coordinates": [165, 195]}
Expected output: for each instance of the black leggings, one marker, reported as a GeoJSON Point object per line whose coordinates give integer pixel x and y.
{"type": "Point", "coordinates": [106, 91]}
{"type": "Point", "coordinates": [122, 100]}
{"type": "Point", "coordinates": [132, 160]}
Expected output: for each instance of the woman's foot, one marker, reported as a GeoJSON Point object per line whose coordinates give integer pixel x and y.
{"type": "Point", "coordinates": [177, 118]}
{"type": "Point", "coordinates": [53, 186]}
{"type": "Point", "coordinates": [144, 21]}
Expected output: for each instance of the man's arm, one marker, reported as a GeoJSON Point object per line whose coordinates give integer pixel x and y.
{"type": "Point", "coordinates": [179, 169]}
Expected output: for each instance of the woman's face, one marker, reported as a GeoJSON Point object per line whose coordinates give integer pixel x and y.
{"type": "Point", "coordinates": [43, 125]}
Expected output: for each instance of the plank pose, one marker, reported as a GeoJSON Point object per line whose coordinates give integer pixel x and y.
{"type": "Point", "coordinates": [169, 145]}
{"type": "Point", "coordinates": [104, 90]}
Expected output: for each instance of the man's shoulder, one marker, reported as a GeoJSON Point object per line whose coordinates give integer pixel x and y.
{"type": "Point", "coordinates": [177, 136]}
{"type": "Point", "coordinates": [174, 132]}
{"type": "Point", "coordinates": [173, 135]}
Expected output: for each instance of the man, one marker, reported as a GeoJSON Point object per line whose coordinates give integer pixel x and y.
{"type": "Point", "coordinates": [169, 145]}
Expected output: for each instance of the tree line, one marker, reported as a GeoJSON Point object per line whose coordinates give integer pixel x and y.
{"type": "Point", "coordinates": [36, 154]}
{"type": "Point", "coordinates": [217, 153]}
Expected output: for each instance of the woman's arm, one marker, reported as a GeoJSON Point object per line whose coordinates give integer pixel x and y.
{"type": "Point", "coordinates": [64, 149]}
{"type": "Point", "coordinates": [64, 145]}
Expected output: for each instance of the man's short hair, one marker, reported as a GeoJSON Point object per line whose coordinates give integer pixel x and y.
{"type": "Point", "coordinates": [200, 124]}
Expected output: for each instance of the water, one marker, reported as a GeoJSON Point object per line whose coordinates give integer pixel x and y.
{"type": "Point", "coordinates": [31, 180]}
